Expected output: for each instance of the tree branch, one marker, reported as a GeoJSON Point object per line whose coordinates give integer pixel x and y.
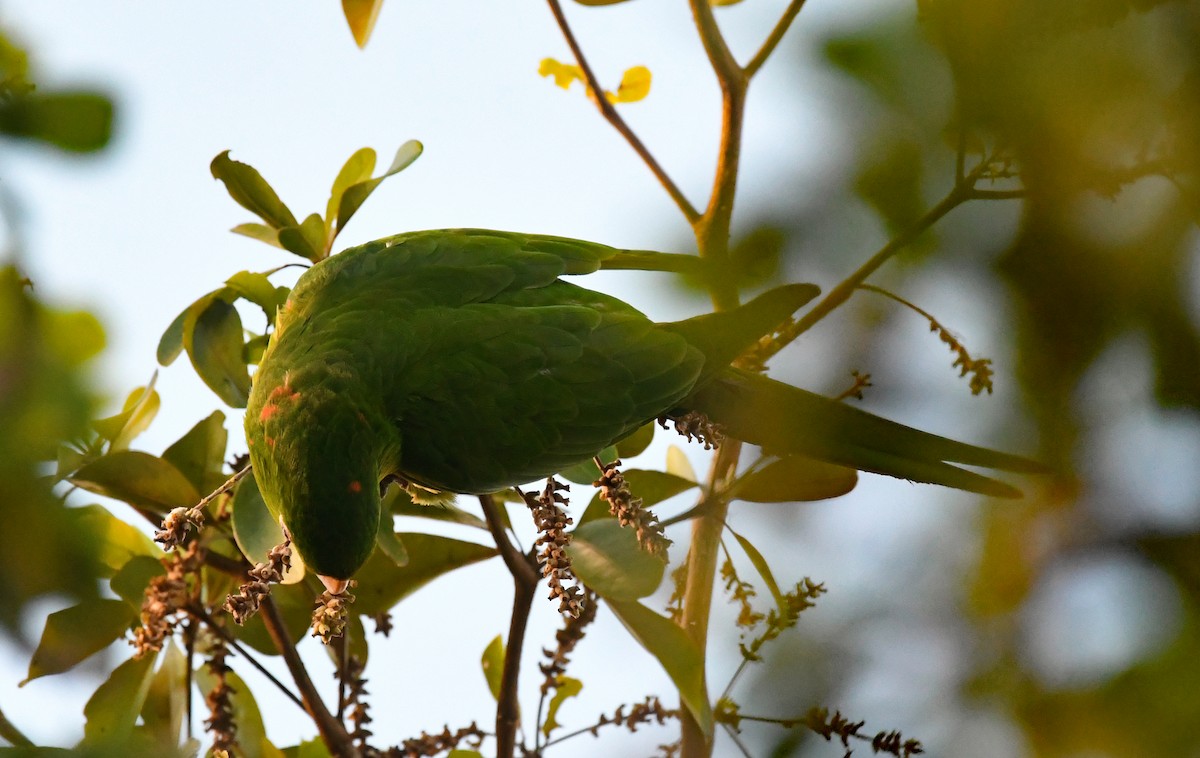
{"type": "Point", "coordinates": [525, 581]}
{"type": "Point", "coordinates": [774, 37]}
{"type": "Point", "coordinates": [612, 117]}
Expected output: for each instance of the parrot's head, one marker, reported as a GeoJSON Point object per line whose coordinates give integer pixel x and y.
{"type": "Point", "coordinates": [316, 461]}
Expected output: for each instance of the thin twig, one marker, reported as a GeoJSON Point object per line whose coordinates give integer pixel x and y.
{"type": "Point", "coordinates": [525, 580]}
{"type": "Point", "coordinates": [612, 117]}
{"type": "Point", "coordinates": [733, 735]}
{"type": "Point", "coordinates": [230, 640]}
{"type": "Point", "coordinates": [774, 37]}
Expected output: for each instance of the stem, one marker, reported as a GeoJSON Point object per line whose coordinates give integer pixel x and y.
{"type": "Point", "coordinates": [611, 116]}
{"type": "Point", "coordinates": [230, 640]}
{"type": "Point", "coordinates": [774, 37]}
{"type": "Point", "coordinates": [525, 580]}
{"type": "Point", "coordinates": [331, 730]}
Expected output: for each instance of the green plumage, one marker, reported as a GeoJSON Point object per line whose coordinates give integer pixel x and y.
{"type": "Point", "coordinates": [458, 360]}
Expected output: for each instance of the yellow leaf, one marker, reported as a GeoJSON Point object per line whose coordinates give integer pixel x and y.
{"type": "Point", "coordinates": [635, 85]}
{"type": "Point", "coordinates": [361, 15]}
{"type": "Point", "coordinates": [563, 73]}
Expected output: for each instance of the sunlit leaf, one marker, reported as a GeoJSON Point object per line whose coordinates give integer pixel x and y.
{"type": "Point", "coordinates": [492, 663]}
{"type": "Point", "coordinates": [382, 584]}
{"type": "Point", "coordinates": [118, 541]}
{"type": "Point", "coordinates": [679, 465]}
{"type": "Point", "coordinates": [608, 558]}
{"type": "Point", "coordinates": [131, 580]}
{"type": "Point", "coordinates": [651, 486]}
{"type": "Point", "coordinates": [199, 455]}
{"type": "Point", "coordinates": [764, 570]}
{"type": "Point", "coordinates": [75, 633]}
{"type": "Point", "coordinates": [361, 16]}
{"type": "Point", "coordinates": [356, 194]}
{"type": "Point", "coordinates": [260, 232]}
{"type": "Point", "coordinates": [258, 289]}
{"type": "Point", "coordinates": [256, 530]}
{"type": "Point", "coordinates": [563, 73]}
{"type": "Point", "coordinates": [635, 85]}
{"type": "Point", "coordinates": [796, 478]}
{"type": "Point", "coordinates": [114, 707]}
{"type": "Point", "coordinates": [294, 240]}
{"type": "Point", "coordinates": [636, 443]}
{"type": "Point", "coordinates": [214, 343]}
{"type": "Point", "coordinates": [565, 687]}
{"type": "Point", "coordinates": [141, 406]}
{"type": "Point", "coordinates": [247, 187]}
{"type": "Point", "coordinates": [679, 655]}
{"type": "Point", "coordinates": [139, 479]}
{"type": "Point", "coordinates": [358, 168]}
{"type": "Point", "coordinates": [251, 734]}
{"type": "Point", "coordinates": [166, 700]}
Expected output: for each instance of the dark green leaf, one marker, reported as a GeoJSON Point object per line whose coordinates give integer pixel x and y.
{"type": "Point", "coordinates": [247, 187]}
{"type": "Point", "coordinates": [114, 707]}
{"type": "Point", "coordinates": [74, 633]}
{"type": "Point", "coordinates": [356, 194]}
{"type": "Point", "coordinates": [171, 343]}
{"type": "Point", "coordinates": [139, 479]}
{"type": "Point", "coordinates": [382, 584]}
{"type": "Point", "coordinates": [675, 650]}
{"type": "Point", "coordinates": [293, 239]}
{"type": "Point", "coordinates": [256, 530]}
{"type": "Point", "coordinates": [130, 582]}
{"type": "Point", "coordinates": [651, 486]}
{"type": "Point", "coordinates": [199, 455]}
{"type": "Point", "coordinates": [492, 662]}
{"type": "Point", "coordinates": [636, 443]}
{"type": "Point", "coordinates": [796, 478]}
{"type": "Point", "coordinates": [79, 122]}
{"type": "Point", "coordinates": [586, 472]}
{"type": "Point", "coordinates": [567, 687]}
{"type": "Point", "coordinates": [214, 343]}
{"type": "Point", "coordinates": [608, 558]}
{"type": "Point", "coordinates": [314, 748]}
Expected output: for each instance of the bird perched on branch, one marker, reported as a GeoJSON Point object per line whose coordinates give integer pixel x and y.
{"type": "Point", "coordinates": [459, 361]}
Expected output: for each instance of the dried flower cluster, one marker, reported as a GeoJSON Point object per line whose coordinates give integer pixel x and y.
{"type": "Point", "coordinates": [176, 524]}
{"type": "Point", "coordinates": [251, 594]}
{"type": "Point", "coordinates": [165, 597]}
{"type": "Point", "coordinates": [552, 522]}
{"type": "Point", "coordinates": [353, 702]}
{"type": "Point", "coordinates": [740, 592]}
{"type": "Point", "coordinates": [383, 623]}
{"type": "Point", "coordinates": [861, 382]}
{"type": "Point", "coordinates": [330, 612]}
{"type": "Point", "coordinates": [802, 597]}
{"type": "Point", "coordinates": [695, 426]}
{"type": "Point", "coordinates": [651, 709]}
{"type": "Point", "coordinates": [893, 743]}
{"type": "Point", "coordinates": [573, 630]}
{"type": "Point", "coordinates": [220, 723]}
{"type": "Point", "coordinates": [679, 576]}
{"type": "Point", "coordinates": [629, 511]}
{"type": "Point", "coordinates": [432, 744]}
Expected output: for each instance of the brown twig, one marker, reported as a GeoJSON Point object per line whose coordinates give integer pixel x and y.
{"type": "Point", "coordinates": [609, 111]}
{"type": "Point", "coordinates": [525, 580]}
{"type": "Point", "coordinates": [768, 46]}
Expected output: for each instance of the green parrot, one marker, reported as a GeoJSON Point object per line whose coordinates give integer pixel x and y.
{"type": "Point", "coordinates": [459, 361]}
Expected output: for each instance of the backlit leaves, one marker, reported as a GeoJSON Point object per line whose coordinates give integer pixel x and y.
{"type": "Point", "coordinates": [361, 16]}
{"type": "Point", "coordinates": [634, 86]}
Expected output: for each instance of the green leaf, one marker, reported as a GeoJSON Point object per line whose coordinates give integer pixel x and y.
{"type": "Point", "coordinates": [607, 557]}
{"type": "Point", "coordinates": [131, 580]}
{"type": "Point", "coordinates": [459, 753]}
{"type": "Point", "coordinates": [293, 239]}
{"type": "Point", "coordinates": [314, 748]}
{"type": "Point", "coordinates": [214, 343]}
{"type": "Point", "coordinates": [260, 232]}
{"type": "Point", "coordinates": [586, 472]}
{"type": "Point", "coordinates": [170, 345]}
{"type": "Point", "coordinates": [114, 707]}
{"type": "Point", "coordinates": [257, 530]}
{"type": "Point", "coordinates": [141, 406]}
{"type": "Point", "coordinates": [566, 687]}
{"type": "Point", "coordinates": [75, 633]}
{"type": "Point", "coordinates": [358, 168]}
{"type": "Point", "coordinates": [251, 734]}
{"type": "Point", "coordinates": [361, 16]}
{"type": "Point", "coordinates": [139, 479]}
{"type": "Point", "coordinates": [118, 541]}
{"type": "Point", "coordinates": [651, 486]}
{"type": "Point", "coordinates": [257, 288]}
{"type": "Point", "coordinates": [200, 454]}
{"type": "Point", "coordinates": [78, 122]}
{"type": "Point", "coordinates": [679, 465]}
{"type": "Point", "coordinates": [492, 663]}
{"type": "Point", "coordinates": [402, 505]}
{"type": "Point", "coordinates": [675, 650]}
{"type": "Point", "coordinates": [249, 190]}
{"type": "Point", "coordinates": [764, 570]}
{"type": "Point", "coordinates": [166, 700]}
{"type": "Point", "coordinates": [389, 542]}
{"type": "Point", "coordinates": [636, 443]}
{"type": "Point", "coordinates": [15, 738]}
{"type": "Point", "coordinates": [795, 478]}
{"type": "Point", "coordinates": [356, 194]}
{"type": "Point", "coordinates": [382, 584]}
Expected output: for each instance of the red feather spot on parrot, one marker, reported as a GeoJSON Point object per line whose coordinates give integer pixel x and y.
{"type": "Point", "coordinates": [267, 412]}
{"type": "Point", "coordinates": [270, 442]}
{"type": "Point", "coordinates": [356, 487]}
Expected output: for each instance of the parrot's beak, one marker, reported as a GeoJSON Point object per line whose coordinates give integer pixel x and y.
{"type": "Point", "coordinates": [335, 586]}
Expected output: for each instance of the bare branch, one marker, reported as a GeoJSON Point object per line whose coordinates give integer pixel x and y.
{"type": "Point", "coordinates": [773, 39]}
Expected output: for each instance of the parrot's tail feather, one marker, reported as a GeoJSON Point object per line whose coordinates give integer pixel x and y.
{"type": "Point", "coordinates": [784, 419]}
